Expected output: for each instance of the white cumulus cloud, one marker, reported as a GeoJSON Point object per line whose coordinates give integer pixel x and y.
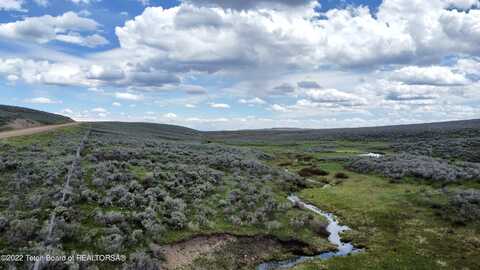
{"type": "Point", "coordinates": [65, 28]}
{"type": "Point", "coordinates": [432, 75]}
{"type": "Point", "coordinates": [12, 5]}
{"type": "Point", "coordinates": [128, 96]}
{"type": "Point", "coordinates": [252, 101]}
{"type": "Point", "coordinates": [219, 106]}
{"type": "Point", "coordinates": [42, 100]}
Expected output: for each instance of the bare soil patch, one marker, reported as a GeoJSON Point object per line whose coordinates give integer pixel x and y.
{"type": "Point", "coordinates": [22, 124]}
{"type": "Point", "coordinates": [184, 253]}
{"type": "Point", "coordinates": [225, 251]}
{"type": "Point", "coordinates": [33, 130]}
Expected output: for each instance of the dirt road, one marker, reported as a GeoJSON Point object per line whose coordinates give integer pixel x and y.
{"type": "Point", "coordinates": [30, 131]}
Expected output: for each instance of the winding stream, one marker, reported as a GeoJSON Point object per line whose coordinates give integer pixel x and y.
{"type": "Point", "coordinates": [333, 228]}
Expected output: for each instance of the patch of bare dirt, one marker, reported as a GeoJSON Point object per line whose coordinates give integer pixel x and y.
{"type": "Point", "coordinates": [22, 124]}
{"type": "Point", "coordinates": [33, 130]}
{"type": "Point", "coordinates": [225, 251]}
{"type": "Point", "coordinates": [184, 253]}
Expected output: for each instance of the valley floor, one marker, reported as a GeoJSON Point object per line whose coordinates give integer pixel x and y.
{"type": "Point", "coordinates": [223, 204]}
{"type": "Point", "coordinates": [397, 223]}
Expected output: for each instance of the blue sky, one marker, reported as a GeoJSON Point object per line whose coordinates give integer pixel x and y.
{"type": "Point", "coordinates": [224, 64]}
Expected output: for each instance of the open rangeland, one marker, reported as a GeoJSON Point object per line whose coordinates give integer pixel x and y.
{"type": "Point", "coordinates": [167, 197]}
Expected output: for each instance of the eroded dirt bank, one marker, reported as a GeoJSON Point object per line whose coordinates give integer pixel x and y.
{"type": "Point", "coordinates": [229, 251]}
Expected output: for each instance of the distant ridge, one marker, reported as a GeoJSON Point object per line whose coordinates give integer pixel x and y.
{"type": "Point", "coordinates": [286, 128]}
{"type": "Point", "coordinates": [173, 132]}
{"type": "Point", "coordinates": [170, 132]}
{"type": "Point", "coordinates": [453, 128]}
{"type": "Point", "coordinates": [14, 118]}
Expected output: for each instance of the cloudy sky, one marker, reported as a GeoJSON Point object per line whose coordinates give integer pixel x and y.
{"type": "Point", "coordinates": [227, 64]}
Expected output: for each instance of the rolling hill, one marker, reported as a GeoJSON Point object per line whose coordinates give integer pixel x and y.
{"type": "Point", "coordinates": [161, 131]}
{"type": "Point", "coordinates": [13, 118]}
{"type": "Point", "coordinates": [465, 128]}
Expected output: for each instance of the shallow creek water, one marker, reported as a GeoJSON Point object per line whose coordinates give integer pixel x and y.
{"type": "Point", "coordinates": [333, 228]}
{"type": "Point", "coordinates": [371, 155]}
